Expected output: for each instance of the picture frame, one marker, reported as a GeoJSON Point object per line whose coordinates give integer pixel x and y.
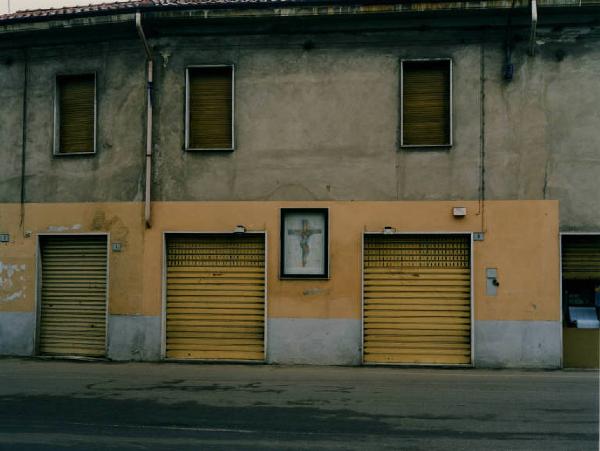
{"type": "Point", "coordinates": [304, 243]}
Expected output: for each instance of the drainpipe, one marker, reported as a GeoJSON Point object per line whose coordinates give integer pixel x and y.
{"type": "Point", "coordinates": [24, 137]}
{"type": "Point", "coordinates": [534, 20]}
{"type": "Point", "coordinates": [149, 78]}
{"type": "Point", "coordinates": [508, 68]}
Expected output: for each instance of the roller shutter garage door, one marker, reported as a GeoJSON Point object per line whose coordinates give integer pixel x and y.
{"type": "Point", "coordinates": [215, 296]}
{"type": "Point", "coordinates": [417, 307]}
{"type": "Point", "coordinates": [73, 295]}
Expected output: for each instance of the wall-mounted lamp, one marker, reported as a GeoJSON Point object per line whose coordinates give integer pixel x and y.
{"type": "Point", "coordinates": [388, 230]}
{"type": "Point", "coordinates": [239, 229]}
{"type": "Point", "coordinates": [459, 212]}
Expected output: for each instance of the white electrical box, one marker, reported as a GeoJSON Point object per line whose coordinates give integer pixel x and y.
{"type": "Point", "coordinates": [459, 212]}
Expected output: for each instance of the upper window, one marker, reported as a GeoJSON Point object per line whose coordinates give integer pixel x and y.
{"type": "Point", "coordinates": [209, 108]}
{"type": "Point", "coordinates": [426, 103]}
{"type": "Point", "coordinates": [75, 114]}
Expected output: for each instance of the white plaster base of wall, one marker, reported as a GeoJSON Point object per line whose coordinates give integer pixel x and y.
{"type": "Point", "coordinates": [17, 331]}
{"type": "Point", "coordinates": [314, 341]}
{"type": "Point", "coordinates": [518, 344]}
{"type": "Point", "coordinates": [133, 337]}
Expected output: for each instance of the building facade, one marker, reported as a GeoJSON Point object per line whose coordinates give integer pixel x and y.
{"type": "Point", "coordinates": [301, 182]}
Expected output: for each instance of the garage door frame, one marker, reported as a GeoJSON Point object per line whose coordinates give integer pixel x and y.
{"type": "Point", "coordinates": [560, 278]}
{"type": "Point", "coordinates": [163, 321]}
{"type": "Point", "coordinates": [38, 286]}
{"type": "Point", "coordinates": [362, 296]}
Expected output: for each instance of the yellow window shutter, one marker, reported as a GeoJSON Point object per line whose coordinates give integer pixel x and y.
{"type": "Point", "coordinates": [76, 97]}
{"type": "Point", "coordinates": [426, 103]}
{"type": "Point", "coordinates": [210, 108]}
{"type": "Point", "coordinates": [581, 257]}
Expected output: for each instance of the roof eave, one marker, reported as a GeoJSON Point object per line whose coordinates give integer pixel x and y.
{"type": "Point", "coordinates": [88, 18]}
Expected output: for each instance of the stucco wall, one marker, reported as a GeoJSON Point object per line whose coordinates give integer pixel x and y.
{"type": "Point", "coordinates": [318, 124]}
{"type": "Point", "coordinates": [521, 242]}
{"type": "Point", "coordinates": [11, 101]}
{"type": "Point", "coordinates": [315, 125]}
{"type": "Point", "coordinates": [123, 222]}
{"type": "Point", "coordinates": [116, 171]}
{"type": "Point", "coordinates": [542, 132]}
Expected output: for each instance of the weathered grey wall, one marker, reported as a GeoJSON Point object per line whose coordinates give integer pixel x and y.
{"type": "Point", "coordinates": [314, 341]}
{"type": "Point", "coordinates": [321, 123]}
{"type": "Point", "coordinates": [518, 344]}
{"type": "Point", "coordinates": [542, 135]}
{"type": "Point", "coordinates": [133, 337]}
{"type": "Point", "coordinates": [11, 102]}
{"type": "Point", "coordinates": [17, 332]}
{"type": "Point", "coordinates": [115, 172]}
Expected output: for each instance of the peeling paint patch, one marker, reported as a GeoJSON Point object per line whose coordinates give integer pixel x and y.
{"type": "Point", "coordinates": [315, 291]}
{"type": "Point", "coordinates": [11, 284]}
{"type": "Point", "coordinates": [57, 228]}
{"type": "Point", "coordinates": [13, 297]}
{"type": "Point", "coordinates": [114, 224]}
{"type": "Point", "coordinates": [64, 228]}
{"type": "Point", "coordinates": [7, 272]}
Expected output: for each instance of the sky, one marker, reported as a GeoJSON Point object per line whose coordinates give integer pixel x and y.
{"type": "Point", "coordinates": [17, 5]}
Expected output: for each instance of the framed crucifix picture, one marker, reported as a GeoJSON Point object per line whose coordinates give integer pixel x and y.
{"type": "Point", "coordinates": [304, 243]}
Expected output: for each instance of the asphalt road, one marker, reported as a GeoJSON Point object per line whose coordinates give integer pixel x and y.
{"type": "Point", "coordinates": [55, 405]}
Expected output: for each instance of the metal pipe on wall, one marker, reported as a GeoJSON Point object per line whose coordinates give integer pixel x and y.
{"type": "Point", "coordinates": [24, 137]}
{"type": "Point", "coordinates": [482, 88]}
{"type": "Point", "coordinates": [149, 86]}
{"type": "Point", "coordinates": [534, 20]}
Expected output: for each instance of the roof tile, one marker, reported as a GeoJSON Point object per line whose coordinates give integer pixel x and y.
{"type": "Point", "coordinates": [122, 7]}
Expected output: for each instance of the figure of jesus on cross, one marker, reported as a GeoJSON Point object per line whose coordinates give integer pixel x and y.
{"type": "Point", "coordinates": [304, 234]}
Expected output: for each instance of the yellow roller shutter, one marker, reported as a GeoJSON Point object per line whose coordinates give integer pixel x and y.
{"type": "Point", "coordinates": [76, 113]}
{"type": "Point", "coordinates": [426, 103]}
{"type": "Point", "coordinates": [215, 297]}
{"type": "Point", "coordinates": [581, 257]}
{"type": "Point", "coordinates": [417, 292]}
{"type": "Point", "coordinates": [210, 107]}
{"type": "Point", "coordinates": [73, 309]}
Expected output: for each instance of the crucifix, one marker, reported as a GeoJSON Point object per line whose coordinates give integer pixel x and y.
{"type": "Point", "coordinates": [304, 234]}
